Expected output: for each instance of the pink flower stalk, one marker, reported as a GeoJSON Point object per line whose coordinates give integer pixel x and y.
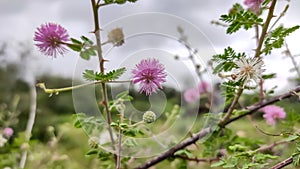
{"type": "Point", "coordinates": [203, 87]}
{"type": "Point", "coordinates": [272, 113]}
{"type": "Point", "coordinates": [254, 5]}
{"type": "Point", "coordinates": [50, 39]}
{"type": "Point", "coordinates": [150, 74]}
{"type": "Point", "coordinates": [191, 95]}
{"type": "Point", "coordinates": [8, 132]}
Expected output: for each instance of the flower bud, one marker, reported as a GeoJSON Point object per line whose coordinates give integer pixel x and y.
{"type": "Point", "coordinates": [50, 129]}
{"type": "Point", "coordinates": [116, 37]}
{"type": "Point", "coordinates": [149, 117]}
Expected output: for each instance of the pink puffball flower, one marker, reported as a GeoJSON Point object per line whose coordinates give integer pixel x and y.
{"type": "Point", "coordinates": [50, 39]}
{"type": "Point", "coordinates": [203, 87]}
{"type": "Point", "coordinates": [191, 95]}
{"type": "Point", "coordinates": [272, 113]}
{"type": "Point", "coordinates": [254, 5]}
{"type": "Point", "coordinates": [8, 132]}
{"type": "Point", "coordinates": [150, 74]}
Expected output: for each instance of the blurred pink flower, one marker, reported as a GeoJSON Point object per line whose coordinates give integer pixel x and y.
{"type": "Point", "coordinates": [272, 113]}
{"type": "Point", "coordinates": [191, 95]}
{"type": "Point", "coordinates": [203, 87]}
{"type": "Point", "coordinates": [8, 132]}
{"type": "Point", "coordinates": [150, 74]}
{"type": "Point", "coordinates": [50, 38]}
{"type": "Point", "coordinates": [254, 5]}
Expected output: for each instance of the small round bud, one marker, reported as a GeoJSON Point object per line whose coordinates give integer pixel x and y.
{"type": "Point", "coordinates": [149, 117]}
{"type": "Point", "coordinates": [175, 109]}
{"type": "Point", "coordinates": [116, 37]}
{"type": "Point", "coordinates": [93, 142]}
{"type": "Point", "coordinates": [233, 76]}
{"type": "Point", "coordinates": [50, 129]}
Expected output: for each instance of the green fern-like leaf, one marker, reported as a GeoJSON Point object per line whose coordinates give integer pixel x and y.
{"type": "Point", "coordinates": [225, 62]}
{"type": "Point", "coordinates": [228, 91]}
{"type": "Point", "coordinates": [238, 18]}
{"type": "Point", "coordinates": [90, 75]}
{"type": "Point", "coordinates": [115, 74]}
{"type": "Point", "coordinates": [275, 38]}
{"type": "Point", "coordinates": [296, 155]}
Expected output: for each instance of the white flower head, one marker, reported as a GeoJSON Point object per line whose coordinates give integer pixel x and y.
{"type": "Point", "coordinates": [248, 70]}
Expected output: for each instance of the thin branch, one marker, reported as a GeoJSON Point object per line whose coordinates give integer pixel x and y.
{"type": "Point", "coordinates": [205, 131]}
{"type": "Point", "coordinates": [271, 146]}
{"type": "Point", "coordinates": [282, 164]}
{"type": "Point", "coordinates": [280, 16]}
{"type": "Point", "coordinates": [120, 140]}
{"type": "Point", "coordinates": [288, 53]}
{"type": "Point", "coordinates": [98, 2]}
{"type": "Point", "coordinates": [119, 149]}
{"type": "Point", "coordinates": [228, 114]}
{"type": "Point", "coordinates": [30, 124]}
{"type": "Point", "coordinates": [198, 160]}
{"type": "Point", "coordinates": [265, 29]}
{"type": "Point", "coordinates": [254, 108]}
{"type": "Point", "coordinates": [268, 134]}
{"type": "Point", "coordinates": [103, 4]}
{"type": "Point", "coordinates": [170, 152]}
{"type": "Point", "coordinates": [96, 31]}
{"type": "Point", "coordinates": [64, 89]}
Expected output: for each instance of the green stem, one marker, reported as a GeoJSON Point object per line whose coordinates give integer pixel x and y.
{"type": "Point", "coordinates": [65, 89]}
{"type": "Point", "coordinates": [265, 29]}
{"type": "Point", "coordinates": [120, 141]}
{"type": "Point", "coordinates": [280, 16]}
{"type": "Point", "coordinates": [228, 114]}
{"type": "Point", "coordinates": [101, 65]}
{"type": "Point", "coordinates": [136, 124]}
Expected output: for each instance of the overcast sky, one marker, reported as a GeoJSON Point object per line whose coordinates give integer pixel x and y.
{"type": "Point", "coordinates": [19, 20]}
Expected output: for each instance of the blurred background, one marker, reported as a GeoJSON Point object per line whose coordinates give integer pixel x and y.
{"type": "Point", "coordinates": [20, 20]}
{"type": "Point", "coordinates": [22, 65]}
